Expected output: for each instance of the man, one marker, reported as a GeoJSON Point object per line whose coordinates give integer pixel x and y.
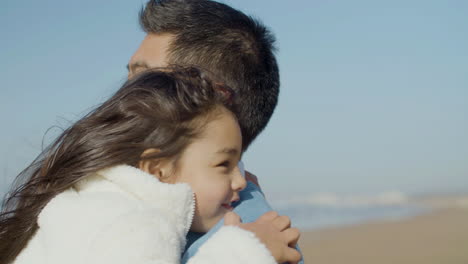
{"type": "Point", "coordinates": [234, 49]}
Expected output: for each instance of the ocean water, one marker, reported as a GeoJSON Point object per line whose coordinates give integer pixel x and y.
{"type": "Point", "coordinates": [310, 217]}
{"type": "Point", "coordinates": [316, 211]}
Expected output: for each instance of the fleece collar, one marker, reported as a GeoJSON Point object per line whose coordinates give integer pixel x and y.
{"type": "Point", "coordinates": [175, 201]}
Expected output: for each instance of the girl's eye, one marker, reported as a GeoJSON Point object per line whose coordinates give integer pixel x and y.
{"type": "Point", "coordinates": [223, 164]}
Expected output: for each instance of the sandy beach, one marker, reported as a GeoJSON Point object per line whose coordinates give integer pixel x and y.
{"type": "Point", "coordinates": [438, 237]}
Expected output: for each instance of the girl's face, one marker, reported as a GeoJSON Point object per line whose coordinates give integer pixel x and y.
{"type": "Point", "coordinates": [209, 166]}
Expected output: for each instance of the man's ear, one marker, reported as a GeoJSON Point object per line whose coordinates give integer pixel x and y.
{"type": "Point", "coordinates": [158, 167]}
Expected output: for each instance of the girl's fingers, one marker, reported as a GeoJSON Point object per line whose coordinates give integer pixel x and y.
{"type": "Point", "coordinates": [291, 236]}
{"type": "Point", "coordinates": [291, 255]}
{"type": "Point", "coordinates": [268, 216]}
{"type": "Point", "coordinates": [231, 218]}
{"type": "Point", "coordinates": [282, 222]}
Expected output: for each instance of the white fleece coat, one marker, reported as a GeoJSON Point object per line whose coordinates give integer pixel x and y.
{"type": "Point", "coordinates": [123, 215]}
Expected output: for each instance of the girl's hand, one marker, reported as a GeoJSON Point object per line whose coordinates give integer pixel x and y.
{"type": "Point", "coordinates": [274, 231]}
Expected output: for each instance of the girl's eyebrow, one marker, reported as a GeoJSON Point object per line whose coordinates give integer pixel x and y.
{"type": "Point", "coordinates": [229, 151]}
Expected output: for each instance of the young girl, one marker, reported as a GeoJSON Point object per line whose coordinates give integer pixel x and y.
{"type": "Point", "coordinates": [127, 182]}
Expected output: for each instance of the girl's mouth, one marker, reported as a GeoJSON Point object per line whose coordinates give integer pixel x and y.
{"type": "Point", "coordinates": [227, 206]}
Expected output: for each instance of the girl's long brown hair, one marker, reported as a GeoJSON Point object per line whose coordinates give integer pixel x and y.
{"type": "Point", "coordinates": [157, 109]}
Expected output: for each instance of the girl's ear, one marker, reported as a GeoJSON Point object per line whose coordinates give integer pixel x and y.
{"type": "Point", "coordinates": [158, 167]}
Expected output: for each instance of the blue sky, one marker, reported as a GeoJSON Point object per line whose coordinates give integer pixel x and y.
{"type": "Point", "coordinates": [374, 94]}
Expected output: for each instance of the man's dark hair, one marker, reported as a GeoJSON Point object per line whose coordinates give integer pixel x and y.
{"type": "Point", "coordinates": [235, 48]}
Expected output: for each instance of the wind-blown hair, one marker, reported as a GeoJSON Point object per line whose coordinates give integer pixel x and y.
{"type": "Point", "coordinates": [165, 110]}
{"type": "Point", "coordinates": [224, 41]}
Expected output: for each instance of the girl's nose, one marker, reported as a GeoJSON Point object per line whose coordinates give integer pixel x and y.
{"type": "Point", "coordinates": [238, 182]}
